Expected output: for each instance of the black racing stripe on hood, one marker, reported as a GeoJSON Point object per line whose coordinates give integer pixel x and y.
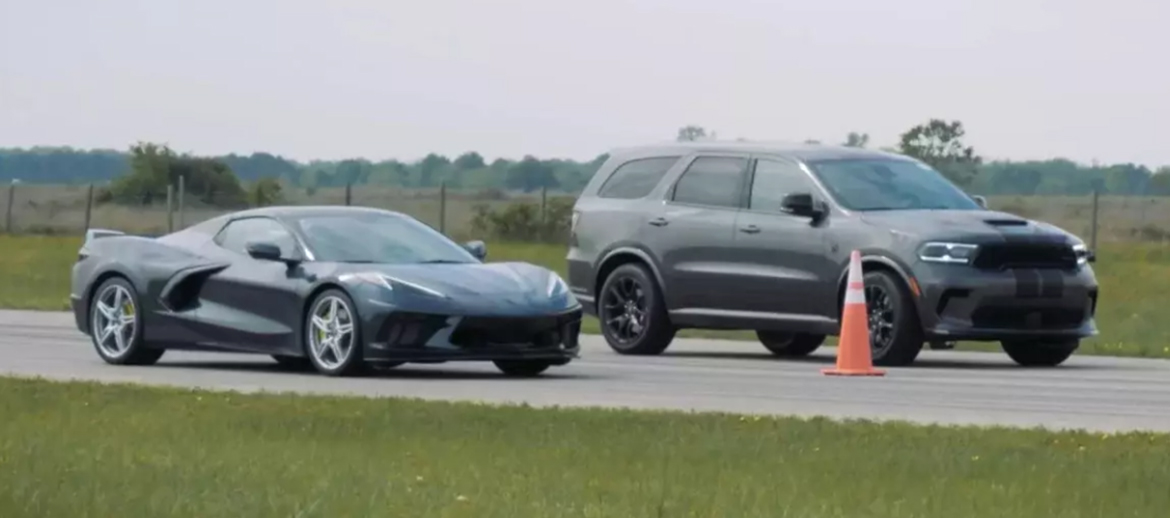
{"type": "Point", "coordinates": [1027, 283]}
{"type": "Point", "coordinates": [1052, 284]}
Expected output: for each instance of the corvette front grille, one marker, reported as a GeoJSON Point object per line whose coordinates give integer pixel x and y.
{"type": "Point", "coordinates": [409, 329]}
{"type": "Point", "coordinates": [540, 332]}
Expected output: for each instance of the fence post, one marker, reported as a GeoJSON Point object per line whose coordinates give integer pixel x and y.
{"type": "Point", "coordinates": [543, 213]}
{"type": "Point", "coordinates": [443, 206]}
{"type": "Point", "coordinates": [11, 202]}
{"type": "Point", "coordinates": [182, 195]}
{"type": "Point", "coordinates": [348, 185]}
{"type": "Point", "coordinates": [88, 206]}
{"type": "Point", "coordinates": [1093, 227]}
{"type": "Point", "coordinates": [170, 208]}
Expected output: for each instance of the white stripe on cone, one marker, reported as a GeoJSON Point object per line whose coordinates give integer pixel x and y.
{"type": "Point", "coordinates": [854, 290]}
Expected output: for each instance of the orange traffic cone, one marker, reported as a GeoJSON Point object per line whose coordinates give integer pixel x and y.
{"type": "Point", "coordinates": [854, 357]}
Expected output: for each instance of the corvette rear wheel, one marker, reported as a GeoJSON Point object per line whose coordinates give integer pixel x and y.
{"type": "Point", "coordinates": [333, 335]}
{"type": "Point", "coordinates": [115, 327]}
{"type": "Point", "coordinates": [632, 312]}
{"type": "Point", "coordinates": [522, 368]}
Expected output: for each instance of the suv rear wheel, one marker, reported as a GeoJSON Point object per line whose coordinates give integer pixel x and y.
{"type": "Point", "coordinates": [790, 344]}
{"type": "Point", "coordinates": [895, 334]}
{"type": "Point", "coordinates": [1040, 353]}
{"type": "Point", "coordinates": [632, 312]}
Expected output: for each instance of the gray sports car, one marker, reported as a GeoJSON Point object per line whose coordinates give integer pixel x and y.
{"type": "Point", "coordinates": [337, 288]}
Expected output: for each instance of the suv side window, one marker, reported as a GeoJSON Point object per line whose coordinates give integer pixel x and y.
{"type": "Point", "coordinates": [773, 180]}
{"type": "Point", "coordinates": [636, 178]}
{"type": "Point", "coordinates": [236, 235]}
{"type": "Point", "coordinates": [711, 180]}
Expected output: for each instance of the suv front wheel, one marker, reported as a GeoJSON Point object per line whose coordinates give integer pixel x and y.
{"type": "Point", "coordinates": [632, 312]}
{"type": "Point", "coordinates": [790, 344]}
{"type": "Point", "coordinates": [895, 334]}
{"type": "Point", "coordinates": [1040, 353]}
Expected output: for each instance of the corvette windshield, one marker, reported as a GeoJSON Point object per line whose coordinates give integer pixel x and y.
{"type": "Point", "coordinates": [885, 184]}
{"type": "Point", "coordinates": [378, 238]}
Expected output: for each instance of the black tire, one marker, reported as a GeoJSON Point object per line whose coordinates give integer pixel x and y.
{"type": "Point", "coordinates": [634, 280]}
{"type": "Point", "coordinates": [295, 363]}
{"type": "Point", "coordinates": [1040, 353]}
{"type": "Point", "coordinates": [790, 345]}
{"type": "Point", "coordinates": [522, 368]}
{"type": "Point", "coordinates": [136, 351]}
{"type": "Point", "coordinates": [353, 363]}
{"type": "Point", "coordinates": [900, 343]}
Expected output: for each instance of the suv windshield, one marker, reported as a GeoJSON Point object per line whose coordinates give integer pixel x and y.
{"type": "Point", "coordinates": [378, 238]}
{"type": "Point", "coordinates": [889, 184]}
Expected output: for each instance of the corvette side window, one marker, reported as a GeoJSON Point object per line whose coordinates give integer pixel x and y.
{"type": "Point", "coordinates": [775, 179]}
{"type": "Point", "coordinates": [237, 234]}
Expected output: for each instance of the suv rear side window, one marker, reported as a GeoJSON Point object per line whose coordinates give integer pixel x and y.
{"type": "Point", "coordinates": [636, 178]}
{"type": "Point", "coordinates": [712, 181]}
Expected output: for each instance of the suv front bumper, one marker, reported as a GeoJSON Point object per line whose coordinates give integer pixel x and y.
{"type": "Point", "coordinates": [964, 303]}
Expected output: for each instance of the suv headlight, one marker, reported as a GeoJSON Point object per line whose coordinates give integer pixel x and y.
{"type": "Point", "coordinates": [1084, 255]}
{"type": "Point", "coordinates": [953, 253]}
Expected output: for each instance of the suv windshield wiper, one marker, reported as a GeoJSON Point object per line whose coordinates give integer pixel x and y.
{"type": "Point", "coordinates": [442, 261]}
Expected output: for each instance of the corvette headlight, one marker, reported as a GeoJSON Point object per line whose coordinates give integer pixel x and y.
{"type": "Point", "coordinates": [953, 253]}
{"type": "Point", "coordinates": [376, 279]}
{"type": "Point", "coordinates": [555, 285]}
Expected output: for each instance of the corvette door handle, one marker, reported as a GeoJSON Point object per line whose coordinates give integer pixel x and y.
{"type": "Point", "coordinates": [750, 229]}
{"type": "Point", "coordinates": [659, 222]}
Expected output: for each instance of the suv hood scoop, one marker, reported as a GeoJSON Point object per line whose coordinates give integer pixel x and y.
{"type": "Point", "coordinates": [1006, 222]}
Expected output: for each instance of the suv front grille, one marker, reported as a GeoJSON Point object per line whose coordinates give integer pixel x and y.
{"type": "Point", "coordinates": [1005, 256]}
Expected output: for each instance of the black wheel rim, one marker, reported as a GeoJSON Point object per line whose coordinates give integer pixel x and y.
{"type": "Point", "coordinates": [881, 318]}
{"type": "Point", "coordinates": [624, 310]}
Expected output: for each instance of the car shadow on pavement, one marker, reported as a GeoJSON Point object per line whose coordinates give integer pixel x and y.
{"type": "Point", "coordinates": [966, 363]}
{"type": "Point", "coordinates": [408, 371]}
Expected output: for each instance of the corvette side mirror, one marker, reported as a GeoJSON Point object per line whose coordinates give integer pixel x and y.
{"type": "Point", "coordinates": [477, 248]}
{"type": "Point", "coordinates": [980, 200]}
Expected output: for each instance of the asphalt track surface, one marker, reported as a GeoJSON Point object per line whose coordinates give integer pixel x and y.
{"type": "Point", "coordinates": [950, 387]}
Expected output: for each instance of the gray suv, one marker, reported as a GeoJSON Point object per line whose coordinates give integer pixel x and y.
{"type": "Point", "coordinates": [753, 236]}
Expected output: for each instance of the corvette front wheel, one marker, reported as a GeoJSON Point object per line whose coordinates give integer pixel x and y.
{"type": "Point", "coordinates": [333, 335]}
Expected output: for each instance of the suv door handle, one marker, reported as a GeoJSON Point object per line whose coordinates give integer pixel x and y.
{"type": "Point", "coordinates": [750, 229]}
{"type": "Point", "coordinates": [659, 222]}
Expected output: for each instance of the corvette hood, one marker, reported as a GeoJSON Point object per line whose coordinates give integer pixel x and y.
{"type": "Point", "coordinates": [463, 280]}
{"type": "Point", "coordinates": [974, 226]}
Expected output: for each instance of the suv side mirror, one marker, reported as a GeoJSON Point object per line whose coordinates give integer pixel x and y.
{"type": "Point", "coordinates": [264, 251]}
{"type": "Point", "coordinates": [800, 204]}
{"type": "Point", "coordinates": [477, 248]}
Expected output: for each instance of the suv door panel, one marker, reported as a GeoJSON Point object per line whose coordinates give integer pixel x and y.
{"type": "Point", "coordinates": [695, 241]}
{"type": "Point", "coordinates": [782, 258]}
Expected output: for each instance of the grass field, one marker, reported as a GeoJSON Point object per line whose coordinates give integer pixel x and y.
{"type": "Point", "coordinates": [1134, 278]}
{"type": "Point", "coordinates": [84, 449]}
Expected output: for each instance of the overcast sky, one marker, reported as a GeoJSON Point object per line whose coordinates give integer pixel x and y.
{"type": "Point", "coordinates": [1082, 79]}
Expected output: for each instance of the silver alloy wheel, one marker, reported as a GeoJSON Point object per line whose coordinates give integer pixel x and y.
{"type": "Point", "coordinates": [113, 315]}
{"type": "Point", "coordinates": [331, 332]}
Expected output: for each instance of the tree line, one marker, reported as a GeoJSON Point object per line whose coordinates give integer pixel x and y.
{"type": "Point", "coordinates": [141, 174]}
